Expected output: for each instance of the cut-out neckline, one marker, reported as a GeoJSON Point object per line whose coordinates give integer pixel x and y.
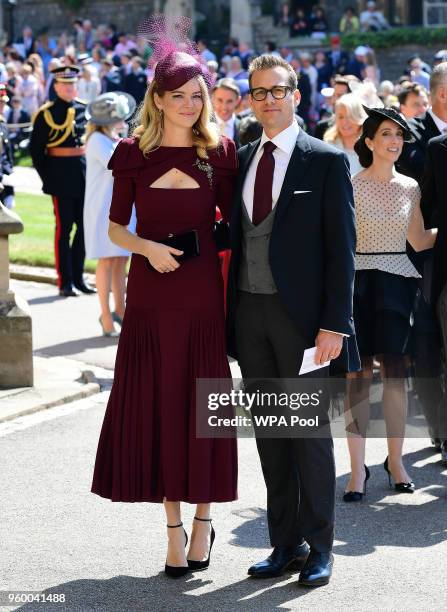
{"type": "Point", "coordinates": [179, 176]}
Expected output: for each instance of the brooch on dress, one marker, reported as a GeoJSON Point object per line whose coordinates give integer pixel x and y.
{"type": "Point", "coordinates": [204, 166]}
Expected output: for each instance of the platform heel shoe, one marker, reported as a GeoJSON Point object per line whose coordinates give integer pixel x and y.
{"type": "Point", "coordinates": [402, 487]}
{"type": "Point", "coordinates": [356, 496]}
{"type": "Point", "coordinates": [177, 571]}
{"type": "Point", "coordinates": [201, 565]}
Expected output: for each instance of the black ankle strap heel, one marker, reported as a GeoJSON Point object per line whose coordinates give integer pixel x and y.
{"type": "Point", "coordinates": [177, 571]}
{"type": "Point", "coordinates": [201, 565]}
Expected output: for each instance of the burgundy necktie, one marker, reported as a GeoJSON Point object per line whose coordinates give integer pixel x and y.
{"type": "Point", "coordinates": [262, 195]}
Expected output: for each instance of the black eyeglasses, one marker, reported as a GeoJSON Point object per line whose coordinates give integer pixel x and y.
{"type": "Point", "coordinates": [278, 92]}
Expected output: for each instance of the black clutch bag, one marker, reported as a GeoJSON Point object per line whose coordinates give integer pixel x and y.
{"type": "Point", "coordinates": [221, 235]}
{"type": "Point", "coordinates": [187, 242]}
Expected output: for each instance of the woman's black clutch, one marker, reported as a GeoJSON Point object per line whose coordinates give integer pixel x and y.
{"type": "Point", "coordinates": [187, 242]}
{"type": "Point", "coordinates": [221, 235]}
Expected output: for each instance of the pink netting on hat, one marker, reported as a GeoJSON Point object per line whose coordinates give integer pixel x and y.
{"type": "Point", "coordinates": [167, 35]}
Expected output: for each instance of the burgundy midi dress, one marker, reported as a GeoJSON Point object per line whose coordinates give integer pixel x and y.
{"type": "Point", "coordinates": [173, 332]}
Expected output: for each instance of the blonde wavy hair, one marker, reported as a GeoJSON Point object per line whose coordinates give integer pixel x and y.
{"type": "Point", "coordinates": [91, 128]}
{"type": "Point", "coordinates": [353, 105]}
{"type": "Point", "coordinates": [149, 130]}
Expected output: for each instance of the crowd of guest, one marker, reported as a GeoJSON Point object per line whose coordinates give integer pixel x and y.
{"type": "Point", "coordinates": [314, 23]}
{"type": "Point", "coordinates": [116, 61]}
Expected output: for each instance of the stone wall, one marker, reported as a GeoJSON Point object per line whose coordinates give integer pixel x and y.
{"type": "Point", "coordinates": [39, 14]}
{"type": "Point", "coordinates": [393, 61]}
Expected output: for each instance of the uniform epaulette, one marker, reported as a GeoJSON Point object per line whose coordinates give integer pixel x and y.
{"type": "Point", "coordinates": [42, 108]}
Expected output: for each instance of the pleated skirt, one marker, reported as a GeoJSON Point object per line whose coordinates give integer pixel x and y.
{"type": "Point", "coordinates": [148, 449]}
{"type": "Point", "coordinates": [384, 308]}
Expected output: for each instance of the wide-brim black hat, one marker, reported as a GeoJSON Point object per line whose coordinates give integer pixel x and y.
{"type": "Point", "coordinates": [392, 115]}
{"type": "Point", "coordinates": [111, 107]}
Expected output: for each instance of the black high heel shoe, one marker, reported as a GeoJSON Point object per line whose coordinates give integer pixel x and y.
{"type": "Point", "coordinates": [355, 496]}
{"type": "Point", "coordinates": [200, 565]}
{"type": "Point", "coordinates": [402, 487]}
{"type": "Point", "coordinates": [177, 571]}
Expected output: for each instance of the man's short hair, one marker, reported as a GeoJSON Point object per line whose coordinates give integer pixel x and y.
{"type": "Point", "coordinates": [266, 62]}
{"type": "Point", "coordinates": [438, 77]}
{"type": "Point", "coordinates": [229, 84]}
{"type": "Point", "coordinates": [249, 130]}
{"type": "Point", "coordinates": [407, 89]}
{"type": "Point", "coordinates": [346, 79]}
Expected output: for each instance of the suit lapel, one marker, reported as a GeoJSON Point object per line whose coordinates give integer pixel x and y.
{"type": "Point", "coordinates": [295, 172]}
{"type": "Point", "coordinates": [432, 128]}
{"type": "Point", "coordinates": [251, 150]}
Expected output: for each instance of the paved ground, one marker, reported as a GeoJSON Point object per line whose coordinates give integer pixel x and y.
{"type": "Point", "coordinates": [57, 537]}
{"type": "Point", "coordinates": [26, 180]}
{"type": "Point", "coordinates": [66, 327]}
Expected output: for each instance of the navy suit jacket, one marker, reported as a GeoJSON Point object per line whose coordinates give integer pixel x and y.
{"type": "Point", "coordinates": [312, 245]}
{"type": "Point", "coordinates": [434, 208]}
{"type": "Point", "coordinates": [412, 160]}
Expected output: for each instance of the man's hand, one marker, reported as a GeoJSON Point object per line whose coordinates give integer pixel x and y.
{"type": "Point", "coordinates": [328, 345]}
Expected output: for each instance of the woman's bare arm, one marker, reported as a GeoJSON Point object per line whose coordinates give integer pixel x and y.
{"type": "Point", "coordinates": [159, 255]}
{"type": "Point", "coordinates": [419, 237]}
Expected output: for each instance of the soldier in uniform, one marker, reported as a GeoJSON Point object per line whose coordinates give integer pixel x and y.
{"type": "Point", "coordinates": [59, 157]}
{"type": "Point", "coordinates": [6, 156]}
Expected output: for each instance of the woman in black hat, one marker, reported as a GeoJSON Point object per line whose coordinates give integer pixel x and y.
{"type": "Point", "coordinates": [387, 215]}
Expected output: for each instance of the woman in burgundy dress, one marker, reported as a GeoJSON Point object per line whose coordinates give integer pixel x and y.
{"type": "Point", "coordinates": [176, 170]}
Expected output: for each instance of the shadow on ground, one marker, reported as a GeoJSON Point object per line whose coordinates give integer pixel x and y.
{"type": "Point", "coordinates": [46, 299]}
{"type": "Point", "coordinates": [75, 347]}
{"type": "Point", "coordinates": [162, 593]}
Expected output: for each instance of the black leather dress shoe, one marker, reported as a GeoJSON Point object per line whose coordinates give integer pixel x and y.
{"type": "Point", "coordinates": [317, 570]}
{"type": "Point", "coordinates": [283, 558]}
{"type": "Point", "coordinates": [68, 291]}
{"type": "Point", "coordinates": [85, 287]}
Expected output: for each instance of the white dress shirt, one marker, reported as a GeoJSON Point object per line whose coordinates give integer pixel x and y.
{"type": "Point", "coordinates": [440, 124]}
{"type": "Point", "coordinates": [227, 127]}
{"type": "Point", "coordinates": [285, 143]}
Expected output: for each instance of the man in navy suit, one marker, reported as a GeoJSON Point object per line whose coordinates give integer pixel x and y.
{"type": "Point", "coordinates": [290, 288]}
{"type": "Point", "coordinates": [427, 361]}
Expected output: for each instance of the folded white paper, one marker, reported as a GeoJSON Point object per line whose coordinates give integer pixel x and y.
{"type": "Point", "coordinates": [309, 364]}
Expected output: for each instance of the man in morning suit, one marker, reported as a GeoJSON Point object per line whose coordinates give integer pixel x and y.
{"type": "Point", "coordinates": [427, 360]}
{"type": "Point", "coordinates": [58, 156]}
{"type": "Point", "coordinates": [434, 210]}
{"type": "Point", "coordinates": [290, 288]}
{"type": "Point", "coordinates": [225, 98]}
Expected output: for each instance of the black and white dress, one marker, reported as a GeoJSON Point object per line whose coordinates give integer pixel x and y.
{"type": "Point", "coordinates": [386, 289]}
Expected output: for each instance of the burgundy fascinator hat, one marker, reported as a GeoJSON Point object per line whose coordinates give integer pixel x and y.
{"type": "Point", "coordinates": [178, 58]}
